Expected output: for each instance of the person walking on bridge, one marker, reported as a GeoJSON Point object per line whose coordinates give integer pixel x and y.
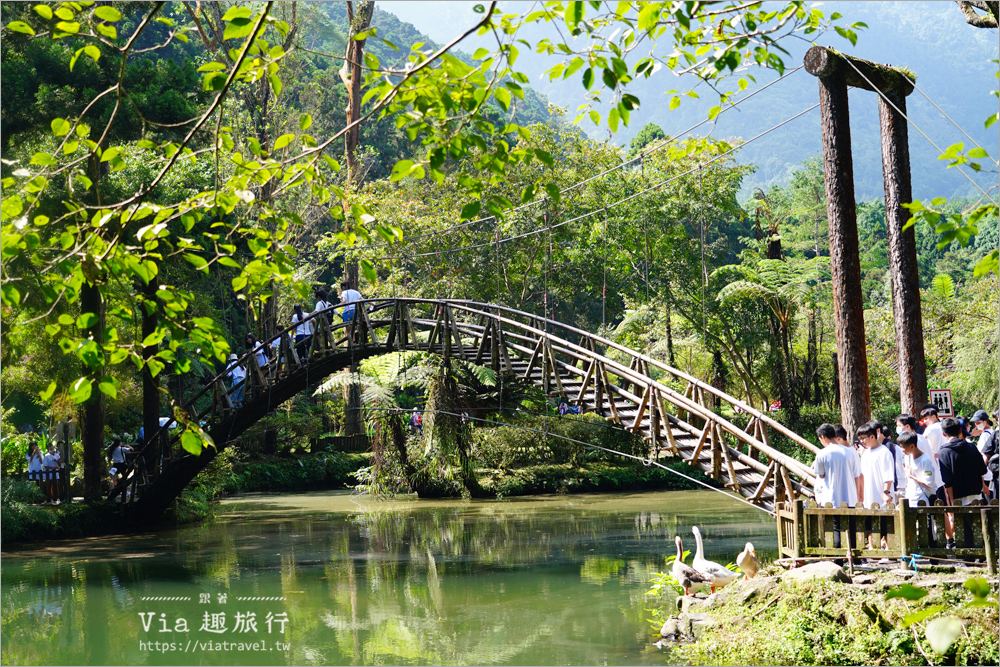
{"type": "Point", "coordinates": [348, 296]}
{"type": "Point", "coordinates": [303, 332]}
{"type": "Point", "coordinates": [237, 377]}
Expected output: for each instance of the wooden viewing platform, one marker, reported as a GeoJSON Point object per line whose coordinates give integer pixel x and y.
{"type": "Point", "coordinates": [805, 530]}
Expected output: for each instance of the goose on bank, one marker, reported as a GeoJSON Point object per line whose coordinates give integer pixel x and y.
{"type": "Point", "coordinates": [717, 574]}
{"type": "Point", "coordinates": [685, 575]}
{"type": "Point", "coordinates": [748, 562]}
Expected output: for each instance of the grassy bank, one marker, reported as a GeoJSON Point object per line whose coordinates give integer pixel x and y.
{"type": "Point", "coordinates": [778, 622]}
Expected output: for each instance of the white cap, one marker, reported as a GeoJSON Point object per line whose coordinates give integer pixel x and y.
{"type": "Point", "coordinates": [232, 357]}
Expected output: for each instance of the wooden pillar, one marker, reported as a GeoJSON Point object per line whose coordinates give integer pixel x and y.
{"type": "Point", "coordinates": [845, 261]}
{"type": "Point", "coordinates": [903, 267]}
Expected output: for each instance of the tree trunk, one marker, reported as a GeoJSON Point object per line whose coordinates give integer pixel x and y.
{"type": "Point", "coordinates": [903, 268]}
{"type": "Point", "coordinates": [92, 431]}
{"type": "Point", "coordinates": [150, 385]}
{"type": "Point", "coordinates": [359, 16]}
{"type": "Point", "coordinates": [845, 261]}
{"type": "Point", "coordinates": [354, 423]}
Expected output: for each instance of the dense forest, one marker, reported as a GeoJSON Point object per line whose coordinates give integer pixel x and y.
{"type": "Point", "coordinates": [497, 198]}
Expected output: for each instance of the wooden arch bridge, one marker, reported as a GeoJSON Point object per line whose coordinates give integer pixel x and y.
{"type": "Point", "coordinates": [635, 391]}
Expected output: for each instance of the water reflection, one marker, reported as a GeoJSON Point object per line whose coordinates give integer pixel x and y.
{"type": "Point", "coordinates": [554, 580]}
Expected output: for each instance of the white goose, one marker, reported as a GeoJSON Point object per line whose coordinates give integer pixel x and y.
{"type": "Point", "coordinates": [748, 562]}
{"type": "Point", "coordinates": [685, 575]}
{"type": "Point", "coordinates": [717, 574]}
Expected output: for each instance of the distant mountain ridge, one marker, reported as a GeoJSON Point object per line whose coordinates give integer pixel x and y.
{"type": "Point", "coordinates": [951, 60]}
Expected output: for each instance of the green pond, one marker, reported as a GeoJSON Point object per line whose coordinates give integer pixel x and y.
{"type": "Point", "coordinates": [339, 579]}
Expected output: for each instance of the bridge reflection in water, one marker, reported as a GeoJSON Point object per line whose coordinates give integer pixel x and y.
{"type": "Point", "coordinates": [667, 407]}
{"type": "Point", "coordinates": [537, 580]}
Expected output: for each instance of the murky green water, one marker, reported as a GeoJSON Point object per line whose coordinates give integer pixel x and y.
{"type": "Point", "coordinates": [543, 580]}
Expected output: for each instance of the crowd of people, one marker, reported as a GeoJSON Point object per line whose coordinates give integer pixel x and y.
{"type": "Point", "coordinates": [45, 468]}
{"type": "Point", "coordinates": [953, 460]}
{"type": "Point", "coordinates": [301, 325]}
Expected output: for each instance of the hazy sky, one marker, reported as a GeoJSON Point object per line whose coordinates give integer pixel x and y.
{"type": "Point", "coordinates": [951, 59]}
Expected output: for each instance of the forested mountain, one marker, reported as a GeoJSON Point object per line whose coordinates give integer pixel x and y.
{"type": "Point", "coordinates": [952, 62]}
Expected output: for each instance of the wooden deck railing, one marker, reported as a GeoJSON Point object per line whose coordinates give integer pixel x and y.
{"type": "Point", "coordinates": [805, 530]}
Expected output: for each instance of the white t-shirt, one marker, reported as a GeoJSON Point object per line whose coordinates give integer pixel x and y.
{"type": "Point", "coordinates": [877, 465]}
{"type": "Point", "coordinates": [258, 353]}
{"type": "Point", "coordinates": [984, 441]}
{"type": "Point", "coordinates": [237, 374]}
{"type": "Point", "coordinates": [935, 437]}
{"type": "Point", "coordinates": [898, 456]}
{"type": "Point", "coordinates": [925, 448]}
{"type": "Point", "coordinates": [302, 328]}
{"type": "Point", "coordinates": [321, 306]}
{"type": "Point", "coordinates": [34, 462]}
{"type": "Point", "coordinates": [51, 465]}
{"type": "Point", "coordinates": [923, 468]}
{"type": "Point", "coordinates": [349, 295]}
{"type": "Point", "coordinates": [838, 470]}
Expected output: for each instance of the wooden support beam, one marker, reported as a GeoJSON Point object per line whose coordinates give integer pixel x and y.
{"type": "Point", "coordinates": [701, 443]}
{"type": "Point", "coordinates": [823, 62]}
{"type": "Point", "coordinates": [845, 261]}
{"type": "Point", "coordinates": [533, 359]}
{"type": "Point", "coordinates": [637, 422]}
{"type": "Point", "coordinates": [554, 367]}
{"type": "Point", "coordinates": [586, 380]}
{"type": "Point", "coordinates": [764, 481]}
{"type": "Point", "coordinates": [903, 269]}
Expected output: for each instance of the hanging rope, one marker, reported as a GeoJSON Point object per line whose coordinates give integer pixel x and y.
{"type": "Point", "coordinates": [645, 230]}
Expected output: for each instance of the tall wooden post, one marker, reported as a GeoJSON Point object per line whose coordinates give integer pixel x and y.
{"type": "Point", "coordinates": [91, 301]}
{"type": "Point", "coordinates": [903, 267]}
{"type": "Point", "coordinates": [845, 262]}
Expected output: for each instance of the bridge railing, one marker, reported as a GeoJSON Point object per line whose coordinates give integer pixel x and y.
{"type": "Point", "coordinates": [636, 374]}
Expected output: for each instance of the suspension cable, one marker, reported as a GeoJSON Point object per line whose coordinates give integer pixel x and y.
{"type": "Point", "coordinates": [952, 122]}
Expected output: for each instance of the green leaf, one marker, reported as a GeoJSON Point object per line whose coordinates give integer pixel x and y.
{"type": "Point", "coordinates": [86, 320]}
{"type": "Point", "coordinates": [275, 84]}
{"type": "Point", "coordinates": [675, 102]}
{"type": "Point", "coordinates": [21, 26]}
{"type": "Point", "coordinates": [588, 78]}
{"type": "Point", "coordinates": [108, 386]}
{"type": "Point", "coordinates": [211, 67]}
{"type": "Point", "coordinates": [238, 27]}
{"type": "Point", "coordinates": [71, 27]}
{"type": "Point", "coordinates": [992, 118]}
{"type": "Point", "coordinates": [502, 96]}
{"type": "Point", "coordinates": [110, 153]}
{"type": "Point", "coordinates": [283, 141]}
{"type": "Point", "coordinates": [978, 153]}
{"type": "Point", "coordinates": [910, 619]}
{"type": "Point", "coordinates": [907, 592]}
{"type": "Point", "coordinates": [573, 14]}
{"type": "Point", "coordinates": [978, 586]}
{"type": "Point", "coordinates": [60, 126]}
{"type": "Point", "coordinates": [942, 633]}
{"type": "Point", "coordinates": [196, 261]}
{"type": "Point", "coordinates": [81, 390]}
{"type": "Point", "coordinates": [713, 112]}
{"type": "Point", "coordinates": [191, 443]}
{"type": "Point", "coordinates": [368, 270]}
{"type": "Point", "coordinates": [92, 51]}
{"type": "Point", "coordinates": [106, 13]}
{"type": "Point", "coordinates": [545, 157]}
{"type": "Point", "coordinates": [47, 393]}
{"type": "Point", "coordinates": [401, 170]}
{"type": "Point", "coordinates": [44, 11]}
{"type": "Point", "coordinates": [305, 120]}
{"type": "Point", "coordinates": [471, 209]}
{"type": "Point", "coordinates": [649, 15]}
{"type": "Point", "coordinates": [109, 31]}
{"type": "Point", "coordinates": [613, 119]}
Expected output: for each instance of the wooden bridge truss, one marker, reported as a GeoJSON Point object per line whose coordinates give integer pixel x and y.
{"type": "Point", "coordinates": [670, 409]}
